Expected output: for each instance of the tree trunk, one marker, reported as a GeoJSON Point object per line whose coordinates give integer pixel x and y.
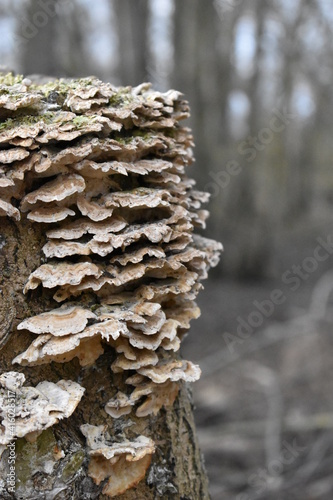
{"type": "Point", "coordinates": [176, 471]}
{"type": "Point", "coordinates": [136, 322]}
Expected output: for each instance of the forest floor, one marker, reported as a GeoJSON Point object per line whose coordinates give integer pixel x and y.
{"type": "Point", "coordinates": [264, 406]}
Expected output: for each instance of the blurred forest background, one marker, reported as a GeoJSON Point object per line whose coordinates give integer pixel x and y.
{"type": "Point", "coordinates": [258, 75]}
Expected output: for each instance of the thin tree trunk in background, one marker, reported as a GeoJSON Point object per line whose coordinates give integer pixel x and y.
{"type": "Point", "coordinates": [72, 54]}
{"type": "Point", "coordinates": [248, 179]}
{"type": "Point", "coordinates": [51, 39]}
{"type": "Point", "coordinates": [132, 26]}
{"type": "Point", "coordinates": [223, 151]}
{"type": "Point", "coordinates": [195, 63]}
{"type": "Point", "coordinates": [292, 141]}
{"type": "Point", "coordinates": [251, 255]}
{"type": "Point", "coordinates": [203, 42]}
{"type": "Point", "coordinates": [38, 32]}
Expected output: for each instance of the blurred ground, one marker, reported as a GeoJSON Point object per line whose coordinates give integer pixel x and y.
{"type": "Point", "coordinates": [264, 406]}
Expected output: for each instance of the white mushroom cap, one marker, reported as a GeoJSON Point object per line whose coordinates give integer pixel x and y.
{"type": "Point", "coordinates": [6, 182]}
{"type": "Point", "coordinates": [60, 188]}
{"type": "Point", "coordinates": [119, 405]}
{"type": "Point", "coordinates": [86, 346]}
{"type": "Point", "coordinates": [156, 396]}
{"type": "Point", "coordinates": [18, 98]}
{"type": "Point", "coordinates": [133, 450]}
{"type": "Point", "coordinates": [137, 255]}
{"type": "Point", "coordinates": [63, 273]}
{"type": "Point", "coordinates": [13, 154]}
{"type": "Point", "coordinates": [57, 190]}
{"type": "Point", "coordinates": [154, 232]}
{"type": "Point", "coordinates": [95, 211]}
{"type": "Point", "coordinates": [62, 321]}
{"type": "Point", "coordinates": [50, 214]}
{"type": "Point", "coordinates": [139, 197]}
{"type": "Point", "coordinates": [211, 248]}
{"type": "Point", "coordinates": [79, 227]}
{"type": "Point", "coordinates": [144, 357]}
{"type": "Point", "coordinates": [172, 370]}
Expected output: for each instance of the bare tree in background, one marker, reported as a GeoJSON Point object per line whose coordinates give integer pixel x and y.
{"type": "Point", "coordinates": [132, 30]}
{"type": "Point", "coordinates": [196, 62]}
{"type": "Point", "coordinates": [38, 51]}
{"type": "Point", "coordinates": [51, 39]}
{"type": "Point", "coordinates": [253, 239]}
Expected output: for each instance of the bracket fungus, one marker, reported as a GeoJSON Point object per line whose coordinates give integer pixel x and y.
{"type": "Point", "coordinates": [104, 176]}
{"type": "Point", "coordinates": [124, 464]}
{"type": "Point", "coordinates": [27, 411]}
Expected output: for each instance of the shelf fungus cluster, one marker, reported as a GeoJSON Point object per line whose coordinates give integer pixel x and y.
{"type": "Point", "coordinates": [27, 411]}
{"type": "Point", "coordinates": [123, 464]}
{"type": "Point", "coordinates": [102, 169]}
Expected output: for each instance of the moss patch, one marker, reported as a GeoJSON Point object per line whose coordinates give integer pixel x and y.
{"type": "Point", "coordinates": [9, 79]}
{"type": "Point", "coordinates": [63, 86]}
{"type": "Point", "coordinates": [73, 465]}
{"type": "Point", "coordinates": [31, 457]}
{"type": "Point", "coordinates": [121, 98]}
{"type": "Point", "coordinates": [83, 120]}
{"type": "Point", "coordinates": [26, 120]}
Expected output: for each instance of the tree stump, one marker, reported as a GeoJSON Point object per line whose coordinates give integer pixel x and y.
{"type": "Point", "coordinates": [99, 273]}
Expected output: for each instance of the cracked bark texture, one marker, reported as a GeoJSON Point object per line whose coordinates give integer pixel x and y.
{"type": "Point", "coordinates": [55, 466]}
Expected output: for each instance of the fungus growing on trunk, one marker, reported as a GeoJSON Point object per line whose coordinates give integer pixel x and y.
{"type": "Point", "coordinates": [27, 411]}
{"type": "Point", "coordinates": [103, 175]}
{"type": "Point", "coordinates": [124, 464]}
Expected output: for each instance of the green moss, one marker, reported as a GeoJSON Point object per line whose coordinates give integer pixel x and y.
{"type": "Point", "coordinates": [171, 132]}
{"type": "Point", "coordinates": [73, 465]}
{"type": "Point", "coordinates": [131, 138]}
{"type": "Point", "coordinates": [62, 86]}
{"type": "Point", "coordinates": [121, 98]}
{"type": "Point", "coordinates": [121, 140]}
{"type": "Point", "coordinates": [10, 79]}
{"type": "Point", "coordinates": [30, 457]}
{"type": "Point", "coordinates": [116, 100]}
{"type": "Point", "coordinates": [28, 120]}
{"type": "Point", "coordinates": [46, 443]}
{"type": "Point", "coordinates": [83, 120]}
{"type": "Point", "coordinates": [142, 133]}
{"type": "Point", "coordinates": [48, 118]}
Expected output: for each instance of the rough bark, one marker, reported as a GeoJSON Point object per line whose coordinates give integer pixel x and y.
{"type": "Point", "coordinates": [176, 470]}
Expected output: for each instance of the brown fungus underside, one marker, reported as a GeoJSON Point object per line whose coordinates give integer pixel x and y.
{"type": "Point", "coordinates": [102, 171]}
